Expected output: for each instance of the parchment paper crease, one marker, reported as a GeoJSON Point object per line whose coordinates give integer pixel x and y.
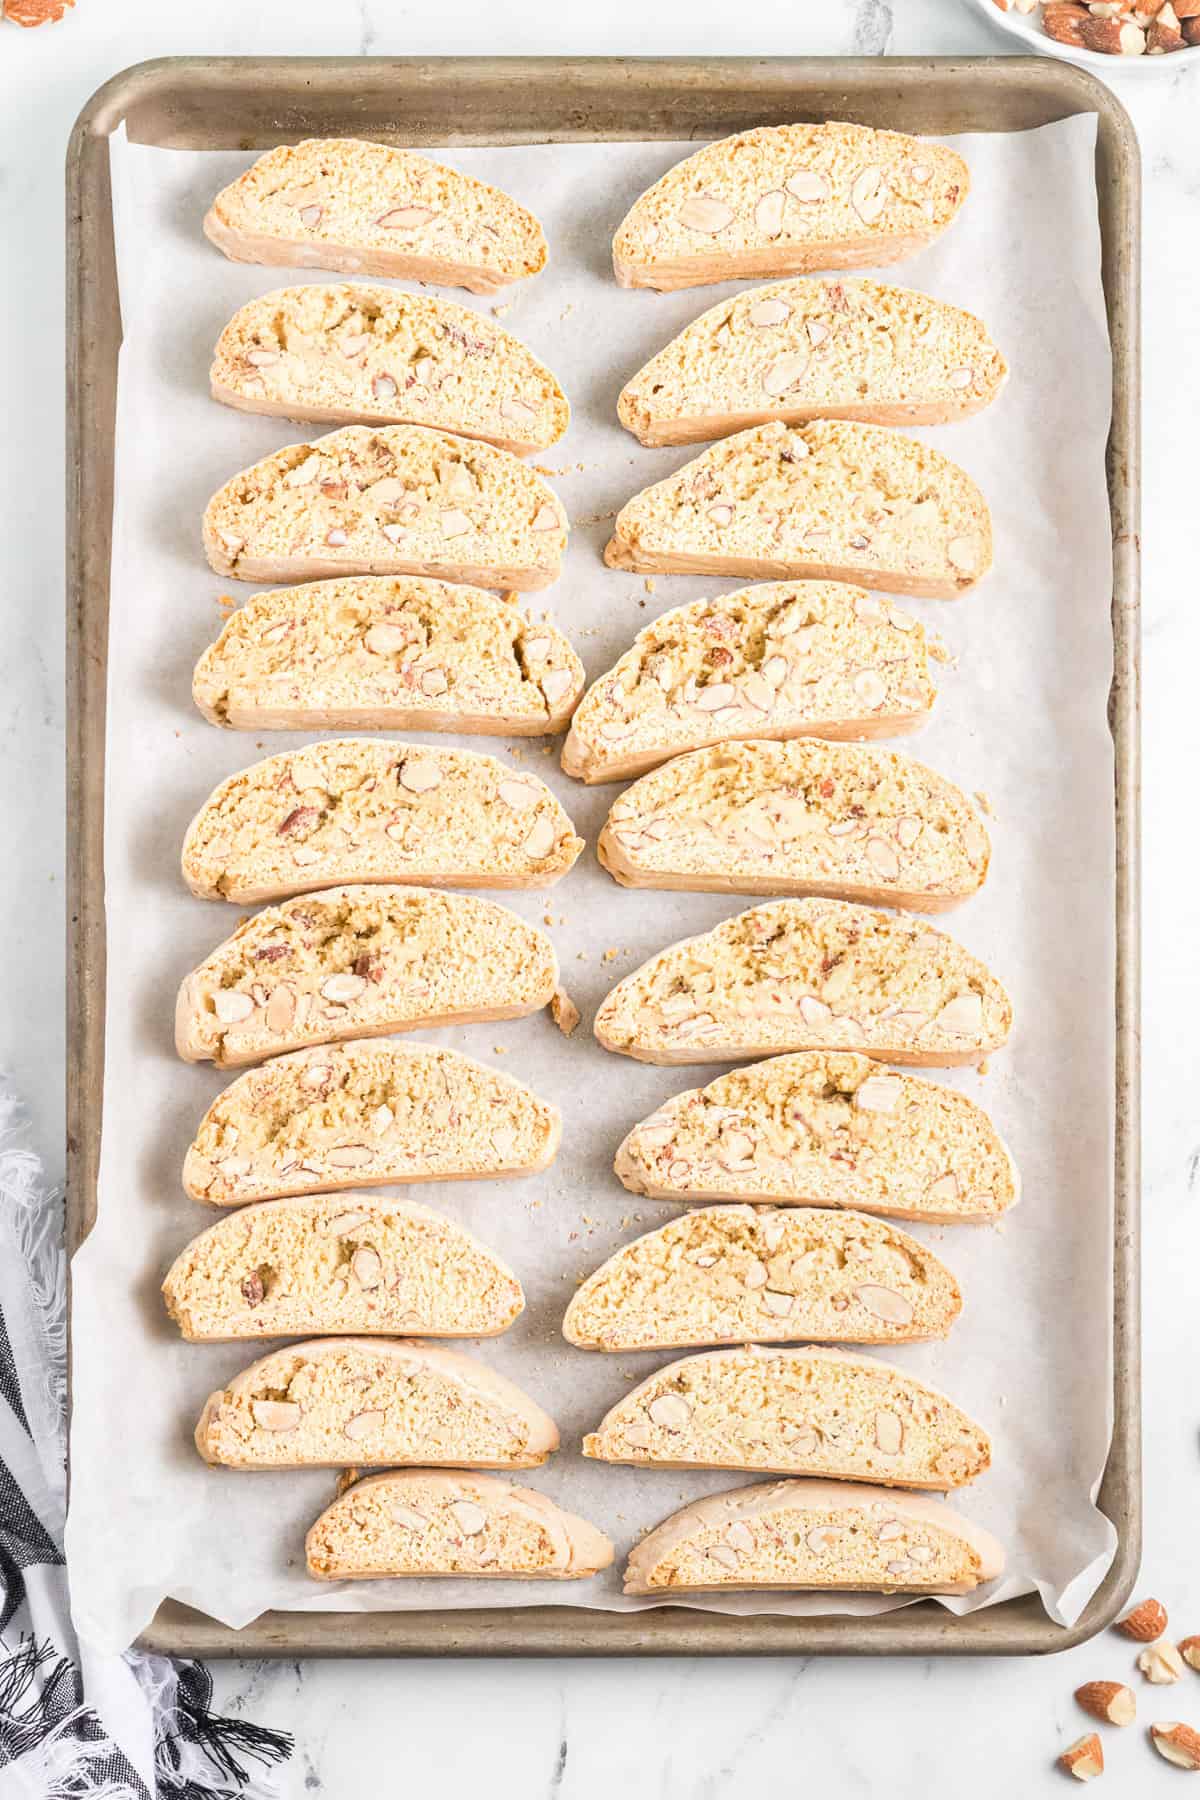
{"type": "Point", "coordinates": [1021, 717]}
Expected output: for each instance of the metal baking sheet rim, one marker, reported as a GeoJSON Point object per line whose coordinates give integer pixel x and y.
{"type": "Point", "coordinates": [206, 102]}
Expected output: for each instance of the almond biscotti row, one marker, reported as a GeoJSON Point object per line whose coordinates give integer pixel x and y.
{"type": "Point", "coordinates": [783, 660]}
{"type": "Point", "coordinates": [344, 355]}
{"type": "Point", "coordinates": [368, 810]}
{"type": "Point", "coordinates": [761, 817]}
{"type": "Point", "coordinates": [381, 652]}
{"type": "Point", "coordinates": [388, 500]}
{"type": "Point", "coordinates": [786, 1534]}
{"type": "Point", "coordinates": [809, 975]}
{"type": "Point", "coordinates": [829, 501]}
{"type": "Point", "coordinates": [365, 1114]}
{"type": "Point", "coordinates": [801, 350]}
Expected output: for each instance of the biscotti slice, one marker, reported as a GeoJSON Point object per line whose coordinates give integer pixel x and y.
{"type": "Point", "coordinates": [343, 354]}
{"type": "Point", "coordinates": [373, 652]}
{"type": "Point", "coordinates": [361, 1114]}
{"type": "Point", "coordinates": [788, 659]}
{"type": "Point", "coordinates": [727, 1274]}
{"type": "Point", "coordinates": [809, 975]}
{"type": "Point", "coordinates": [365, 208]}
{"type": "Point", "coordinates": [794, 1412]}
{"type": "Point", "coordinates": [438, 1523]}
{"type": "Point", "coordinates": [830, 501]}
{"type": "Point", "coordinates": [784, 199]}
{"type": "Point", "coordinates": [814, 1534]}
{"type": "Point", "coordinates": [761, 817]}
{"type": "Point", "coordinates": [825, 1128]}
{"type": "Point", "coordinates": [388, 500]}
{"type": "Point", "coordinates": [339, 1263]}
{"type": "Point", "coordinates": [357, 962]}
{"type": "Point", "coordinates": [369, 1401]}
{"type": "Point", "coordinates": [356, 809]}
{"type": "Point", "coordinates": [801, 350]}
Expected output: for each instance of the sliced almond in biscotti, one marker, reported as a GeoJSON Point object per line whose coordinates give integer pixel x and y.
{"type": "Point", "coordinates": [339, 355]}
{"type": "Point", "coordinates": [728, 1274]}
{"type": "Point", "coordinates": [801, 350]}
{"type": "Point", "coordinates": [357, 809]}
{"type": "Point", "coordinates": [809, 975]}
{"type": "Point", "coordinates": [379, 652]}
{"type": "Point", "coordinates": [794, 1412]}
{"type": "Point", "coordinates": [830, 501]}
{"type": "Point", "coordinates": [433, 1522]}
{"type": "Point", "coordinates": [825, 1128]}
{"type": "Point", "coordinates": [814, 1534]}
{"type": "Point", "coordinates": [369, 1401]}
{"type": "Point", "coordinates": [362, 1114]}
{"type": "Point", "coordinates": [787, 659]}
{"type": "Point", "coordinates": [761, 817]}
{"type": "Point", "coordinates": [339, 1263]}
{"type": "Point", "coordinates": [357, 962]}
{"type": "Point", "coordinates": [366, 208]}
{"type": "Point", "coordinates": [388, 500]}
{"type": "Point", "coordinates": [785, 199]}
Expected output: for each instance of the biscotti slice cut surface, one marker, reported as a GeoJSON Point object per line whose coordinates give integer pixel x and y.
{"type": "Point", "coordinates": [801, 350]}
{"type": "Point", "coordinates": [830, 501]}
{"type": "Point", "coordinates": [809, 975]}
{"type": "Point", "coordinates": [362, 810]}
{"type": "Point", "coordinates": [728, 1274]}
{"type": "Point", "coordinates": [373, 652]}
{"type": "Point", "coordinates": [787, 659]}
{"type": "Point", "coordinates": [785, 199]}
{"type": "Point", "coordinates": [825, 1128]}
{"type": "Point", "coordinates": [344, 354]}
{"type": "Point", "coordinates": [369, 1401]}
{"type": "Point", "coordinates": [814, 1534]}
{"type": "Point", "coordinates": [365, 208]}
{"type": "Point", "coordinates": [357, 962]}
{"type": "Point", "coordinates": [794, 1412]}
{"type": "Point", "coordinates": [361, 1114]}
{"type": "Point", "coordinates": [761, 817]}
{"type": "Point", "coordinates": [388, 500]}
{"type": "Point", "coordinates": [440, 1523]}
{"type": "Point", "coordinates": [339, 1263]}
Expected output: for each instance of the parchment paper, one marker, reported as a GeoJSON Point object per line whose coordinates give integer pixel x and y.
{"type": "Point", "coordinates": [1021, 717]}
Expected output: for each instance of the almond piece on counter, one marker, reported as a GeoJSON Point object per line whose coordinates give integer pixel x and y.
{"type": "Point", "coordinates": [1160, 1663]}
{"type": "Point", "coordinates": [1146, 1621]}
{"type": "Point", "coordinates": [1189, 1649]}
{"type": "Point", "coordinates": [1111, 1701]}
{"type": "Point", "coordinates": [1179, 1744]}
{"type": "Point", "coordinates": [1084, 1758]}
{"type": "Point", "coordinates": [564, 1011]}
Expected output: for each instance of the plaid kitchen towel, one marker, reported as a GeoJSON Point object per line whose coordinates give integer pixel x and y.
{"type": "Point", "coordinates": [76, 1725]}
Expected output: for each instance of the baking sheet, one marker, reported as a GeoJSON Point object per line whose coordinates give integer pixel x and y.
{"type": "Point", "coordinates": [1022, 717]}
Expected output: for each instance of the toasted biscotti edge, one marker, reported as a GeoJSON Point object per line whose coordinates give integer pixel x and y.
{"type": "Point", "coordinates": [453, 1365]}
{"type": "Point", "coordinates": [984, 1551]}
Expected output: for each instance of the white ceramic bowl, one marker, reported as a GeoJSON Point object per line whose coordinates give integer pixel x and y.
{"type": "Point", "coordinates": [1027, 28]}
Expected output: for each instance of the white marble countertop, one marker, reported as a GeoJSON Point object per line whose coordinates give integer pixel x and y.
{"type": "Point", "coordinates": [672, 1729]}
